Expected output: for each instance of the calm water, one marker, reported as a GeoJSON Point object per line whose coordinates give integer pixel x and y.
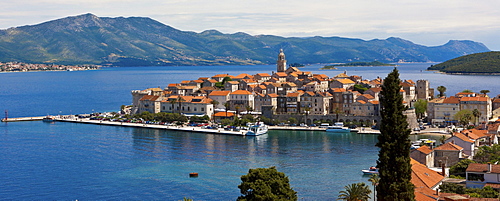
{"type": "Point", "coordinates": [64, 161]}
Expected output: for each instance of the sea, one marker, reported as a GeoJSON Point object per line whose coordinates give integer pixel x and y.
{"type": "Point", "coordinates": [68, 161]}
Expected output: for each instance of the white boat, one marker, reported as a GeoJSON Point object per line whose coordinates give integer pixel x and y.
{"type": "Point", "coordinates": [338, 127]}
{"type": "Point", "coordinates": [371, 170]}
{"type": "Point", "coordinates": [257, 129]}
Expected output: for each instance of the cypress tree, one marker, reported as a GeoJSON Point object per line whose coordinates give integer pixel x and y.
{"type": "Point", "coordinates": [394, 143]}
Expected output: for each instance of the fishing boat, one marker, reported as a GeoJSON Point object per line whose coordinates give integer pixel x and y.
{"type": "Point", "coordinates": [338, 127]}
{"type": "Point", "coordinates": [257, 129]}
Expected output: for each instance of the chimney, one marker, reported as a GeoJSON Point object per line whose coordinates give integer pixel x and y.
{"type": "Point", "coordinates": [489, 167]}
{"type": "Point", "coordinates": [443, 169]}
{"type": "Point", "coordinates": [453, 142]}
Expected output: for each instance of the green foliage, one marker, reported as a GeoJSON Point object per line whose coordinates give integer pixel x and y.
{"type": "Point", "coordinates": [484, 91]}
{"type": "Point", "coordinates": [463, 116]}
{"type": "Point", "coordinates": [292, 120]}
{"type": "Point", "coordinates": [360, 88]}
{"type": "Point", "coordinates": [467, 91]}
{"type": "Point", "coordinates": [202, 119]}
{"type": "Point", "coordinates": [420, 107]}
{"type": "Point", "coordinates": [393, 141]}
{"type": "Point", "coordinates": [226, 121]}
{"type": "Point", "coordinates": [161, 117]}
{"type": "Point", "coordinates": [219, 85]}
{"type": "Point", "coordinates": [265, 184]}
{"type": "Point", "coordinates": [355, 192]}
{"type": "Point", "coordinates": [460, 167]}
{"type": "Point", "coordinates": [487, 62]}
{"type": "Point", "coordinates": [488, 154]}
{"type": "Point", "coordinates": [486, 192]}
{"type": "Point", "coordinates": [452, 188]}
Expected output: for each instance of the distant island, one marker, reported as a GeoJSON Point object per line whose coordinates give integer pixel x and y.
{"type": "Point", "coordinates": [480, 63]}
{"type": "Point", "coordinates": [359, 63]}
{"type": "Point", "coordinates": [25, 67]}
{"type": "Point", "coordinates": [298, 65]}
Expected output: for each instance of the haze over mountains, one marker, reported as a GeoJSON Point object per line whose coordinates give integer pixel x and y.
{"type": "Point", "coordinates": [141, 41]}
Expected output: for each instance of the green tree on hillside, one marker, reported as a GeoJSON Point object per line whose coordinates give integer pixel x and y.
{"type": "Point", "coordinates": [441, 90]}
{"type": "Point", "coordinates": [266, 184]}
{"type": "Point", "coordinates": [393, 141]}
{"type": "Point", "coordinates": [476, 115]}
{"type": "Point", "coordinates": [484, 91]}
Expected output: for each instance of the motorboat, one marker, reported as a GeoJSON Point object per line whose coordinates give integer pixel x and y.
{"type": "Point", "coordinates": [371, 170]}
{"type": "Point", "coordinates": [49, 118]}
{"type": "Point", "coordinates": [257, 129]}
{"type": "Point", "coordinates": [338, 127]}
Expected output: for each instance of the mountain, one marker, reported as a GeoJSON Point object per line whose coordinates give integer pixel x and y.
{"type": "Point", "coordinates": [141, 41]}
{"type": "Point", "coordinates": [479, 63]}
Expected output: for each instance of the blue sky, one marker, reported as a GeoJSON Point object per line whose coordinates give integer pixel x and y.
{"type": "Point", "coordinates": [425, 22]}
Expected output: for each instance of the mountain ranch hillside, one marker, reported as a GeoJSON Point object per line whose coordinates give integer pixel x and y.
{"type": "Point", "coordinates": [480, 63]}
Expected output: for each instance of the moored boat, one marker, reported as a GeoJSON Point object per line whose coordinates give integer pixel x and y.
{"type": "Point", "coordinates": [371, 170]}
{"type": "Point", "coordinates": [49, 118]}
{"type": "Point", "coordinates": [338, 127]}
{"type": "Point", "coordinates": [257, 129]}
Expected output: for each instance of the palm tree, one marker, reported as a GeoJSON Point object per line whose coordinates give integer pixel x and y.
{"type": "Point", "coordinates": [172, 102]}
{"type": "Point", "coordinates": [476, 115]}
{"type": "Point", "coordinates": [227, 105]}
{"type": "Point", "coordinates": [214, 103]}
{"type": "Point", "coordinates": [374, 179]}
{"type": "Point", "coordinates": [337, 111]}
{"type": "Point", "coordinates": [441, 90]}
{"type": "Point", "coordinates": [180, 100]}
{"type": "Point", "coordinates": [355, 192]}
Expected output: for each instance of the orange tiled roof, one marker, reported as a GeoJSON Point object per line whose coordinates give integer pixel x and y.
{"type": "Point", "coordinates": [241, 92]}
{"type": "Point", "coordinates": [421, 176]}
{"type": "Point", "coordinates": [263, 74]}
{"type": "Point", "coordinates": [477, 167]}
{"type": "Point", "coordinates": [345, 81]}
{"type": "Point", "coordinates": [338, 90]}
{"type": "Point", "coordinates": [272, 95]}
{"type": "Point", "coordinates": [342, 75]}
{"type": "Point", "coordinates": [376, 89]}
{"type": "Point", "coordinates": [374, 102]}
{"type": "Point", "coordinates": [481, 99]}
{"type": "Point", "coordinates": [475, 133]}
{"type": "Point", "coordinates": [281, 74]}
{"type": "Point", "coordinates": [463, 137]}
{"type": "Point", "coordinates": [224, 114]}
{"type": "Point", "coordinates": [449, 147]}
{"type": "Point", "coordinates": [424, 149]}
{"type": "Point", "coordinates": [219, 93]}
{"type": "Point", "coordinates": [223, 75]}
{"type": "Point", "coordinates": [451, 100]}
{"type": "Point", "coordinates": [149, 98]}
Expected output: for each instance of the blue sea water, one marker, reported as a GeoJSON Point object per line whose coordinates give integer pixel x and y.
{"type": "Point", "coordinates": [66, 161]}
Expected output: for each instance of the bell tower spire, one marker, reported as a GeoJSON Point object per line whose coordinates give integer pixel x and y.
{"type": "Point", "coordinates": [281, 63]}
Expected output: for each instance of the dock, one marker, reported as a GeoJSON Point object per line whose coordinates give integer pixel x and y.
{"type": "Point", "coordinates": [23, 119]}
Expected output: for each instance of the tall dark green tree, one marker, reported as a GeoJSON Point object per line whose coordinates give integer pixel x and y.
{"type": "Point", "coordinates": [266, 184]}
{"type": "Point", "coordinates": [393, 141]}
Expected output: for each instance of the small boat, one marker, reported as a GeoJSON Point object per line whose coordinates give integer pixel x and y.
{"type": "Point", "coordinates": [338, 127]}
{"type": "Point", "coordinates": [371, 170]}
{"type": "Point", "coordinates": [49, 118]}
{"type": "Point", "coordinates": [257, 129]}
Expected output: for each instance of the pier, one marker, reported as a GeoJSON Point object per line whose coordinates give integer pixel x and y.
{"type": "Point", "coordinates": [22, 119]}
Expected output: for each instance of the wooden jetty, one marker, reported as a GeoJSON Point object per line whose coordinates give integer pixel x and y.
{"type": "Point", "coordinates": [22, 119]}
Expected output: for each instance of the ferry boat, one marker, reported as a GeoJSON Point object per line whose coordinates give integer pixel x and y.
{"type": "Point", "coordinates": [257, 129]}
{"type": "Point", "coordinates": [338, 127]}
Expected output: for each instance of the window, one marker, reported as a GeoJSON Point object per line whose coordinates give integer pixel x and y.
{"type": "Point", "coordinates": [475, 177]}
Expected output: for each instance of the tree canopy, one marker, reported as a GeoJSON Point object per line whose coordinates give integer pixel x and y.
{"type": "Point", "coordinates": [393, 141]}
{"type": "Point", "coordinates": [355, 192]}
{"type": "Point", "coordinates": [266, 184]}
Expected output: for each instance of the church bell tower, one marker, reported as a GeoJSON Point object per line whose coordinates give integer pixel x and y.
{"type": "Point", "coordinates": [281, 63]}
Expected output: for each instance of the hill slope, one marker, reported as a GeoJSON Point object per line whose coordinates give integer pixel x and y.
{"type": "Point", "coordinates": [135, 41]}
{"type": "Point", "coordinates": [487, 62]}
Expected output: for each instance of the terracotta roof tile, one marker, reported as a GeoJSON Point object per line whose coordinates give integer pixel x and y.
{"type": "Point", "coordinates": [449, 147]}
{"type": "Point", "coordinates": [480, 99]}
{"type": "Point", "coordinates": [424, 149]}
{"type": "Point", "coordinates": [421, 176]}
{"type": "Point", "coordinates": [219, 93]}
{"type": "Point", "coordinates": [463, 137]}
{"type": "Point", "coordinates": [241, 92]}
{"type": "Point", "coordinates": [477, 167]}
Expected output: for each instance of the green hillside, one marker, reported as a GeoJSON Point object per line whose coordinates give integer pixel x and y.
{"type": "Point", "coordinates": [142, 41]}
{"type": "Point", "coordinates": [487, 62]}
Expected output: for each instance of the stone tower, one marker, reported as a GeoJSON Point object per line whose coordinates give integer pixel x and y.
{"type": "Point", "coordinates": [422, 90]}
{"type": "Point", "coordinates": [281, 63]}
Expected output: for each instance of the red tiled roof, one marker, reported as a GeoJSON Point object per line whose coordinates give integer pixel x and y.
{"type": "Point", "coordinates": [424, 149]}
{"type": "Point", "coordinates": [477, 167]}
{"type": "Point", "coordinates": [224, 114]}
{"type": "Point", "coordinates": [481, 99]}
{"type": "Point", "coordinates": [421, 176]}
{"type": "Point", "coordinates": [219, 93]}
{"type": "Point", "coordinates": [449, 147]}
{"type": "Point", "coordinates": [451, 100]}
{"type": "Point", "coordinates": [241, 92]}
{"type": "Point", "coordinates": [463, 137]}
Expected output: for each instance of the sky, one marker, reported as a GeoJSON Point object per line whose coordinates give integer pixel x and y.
{"type": "Point", "coordinates": [424, 22]}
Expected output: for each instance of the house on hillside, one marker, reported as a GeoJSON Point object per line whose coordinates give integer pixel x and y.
{"type": "Point", "coordinates": [463, 141]}
{"type": "Point", "coordinates": [448, 154]}
{"type": "Point", "coordinates": [423, 155]}
{"type": "Point", "coordinates": [481, 175]}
